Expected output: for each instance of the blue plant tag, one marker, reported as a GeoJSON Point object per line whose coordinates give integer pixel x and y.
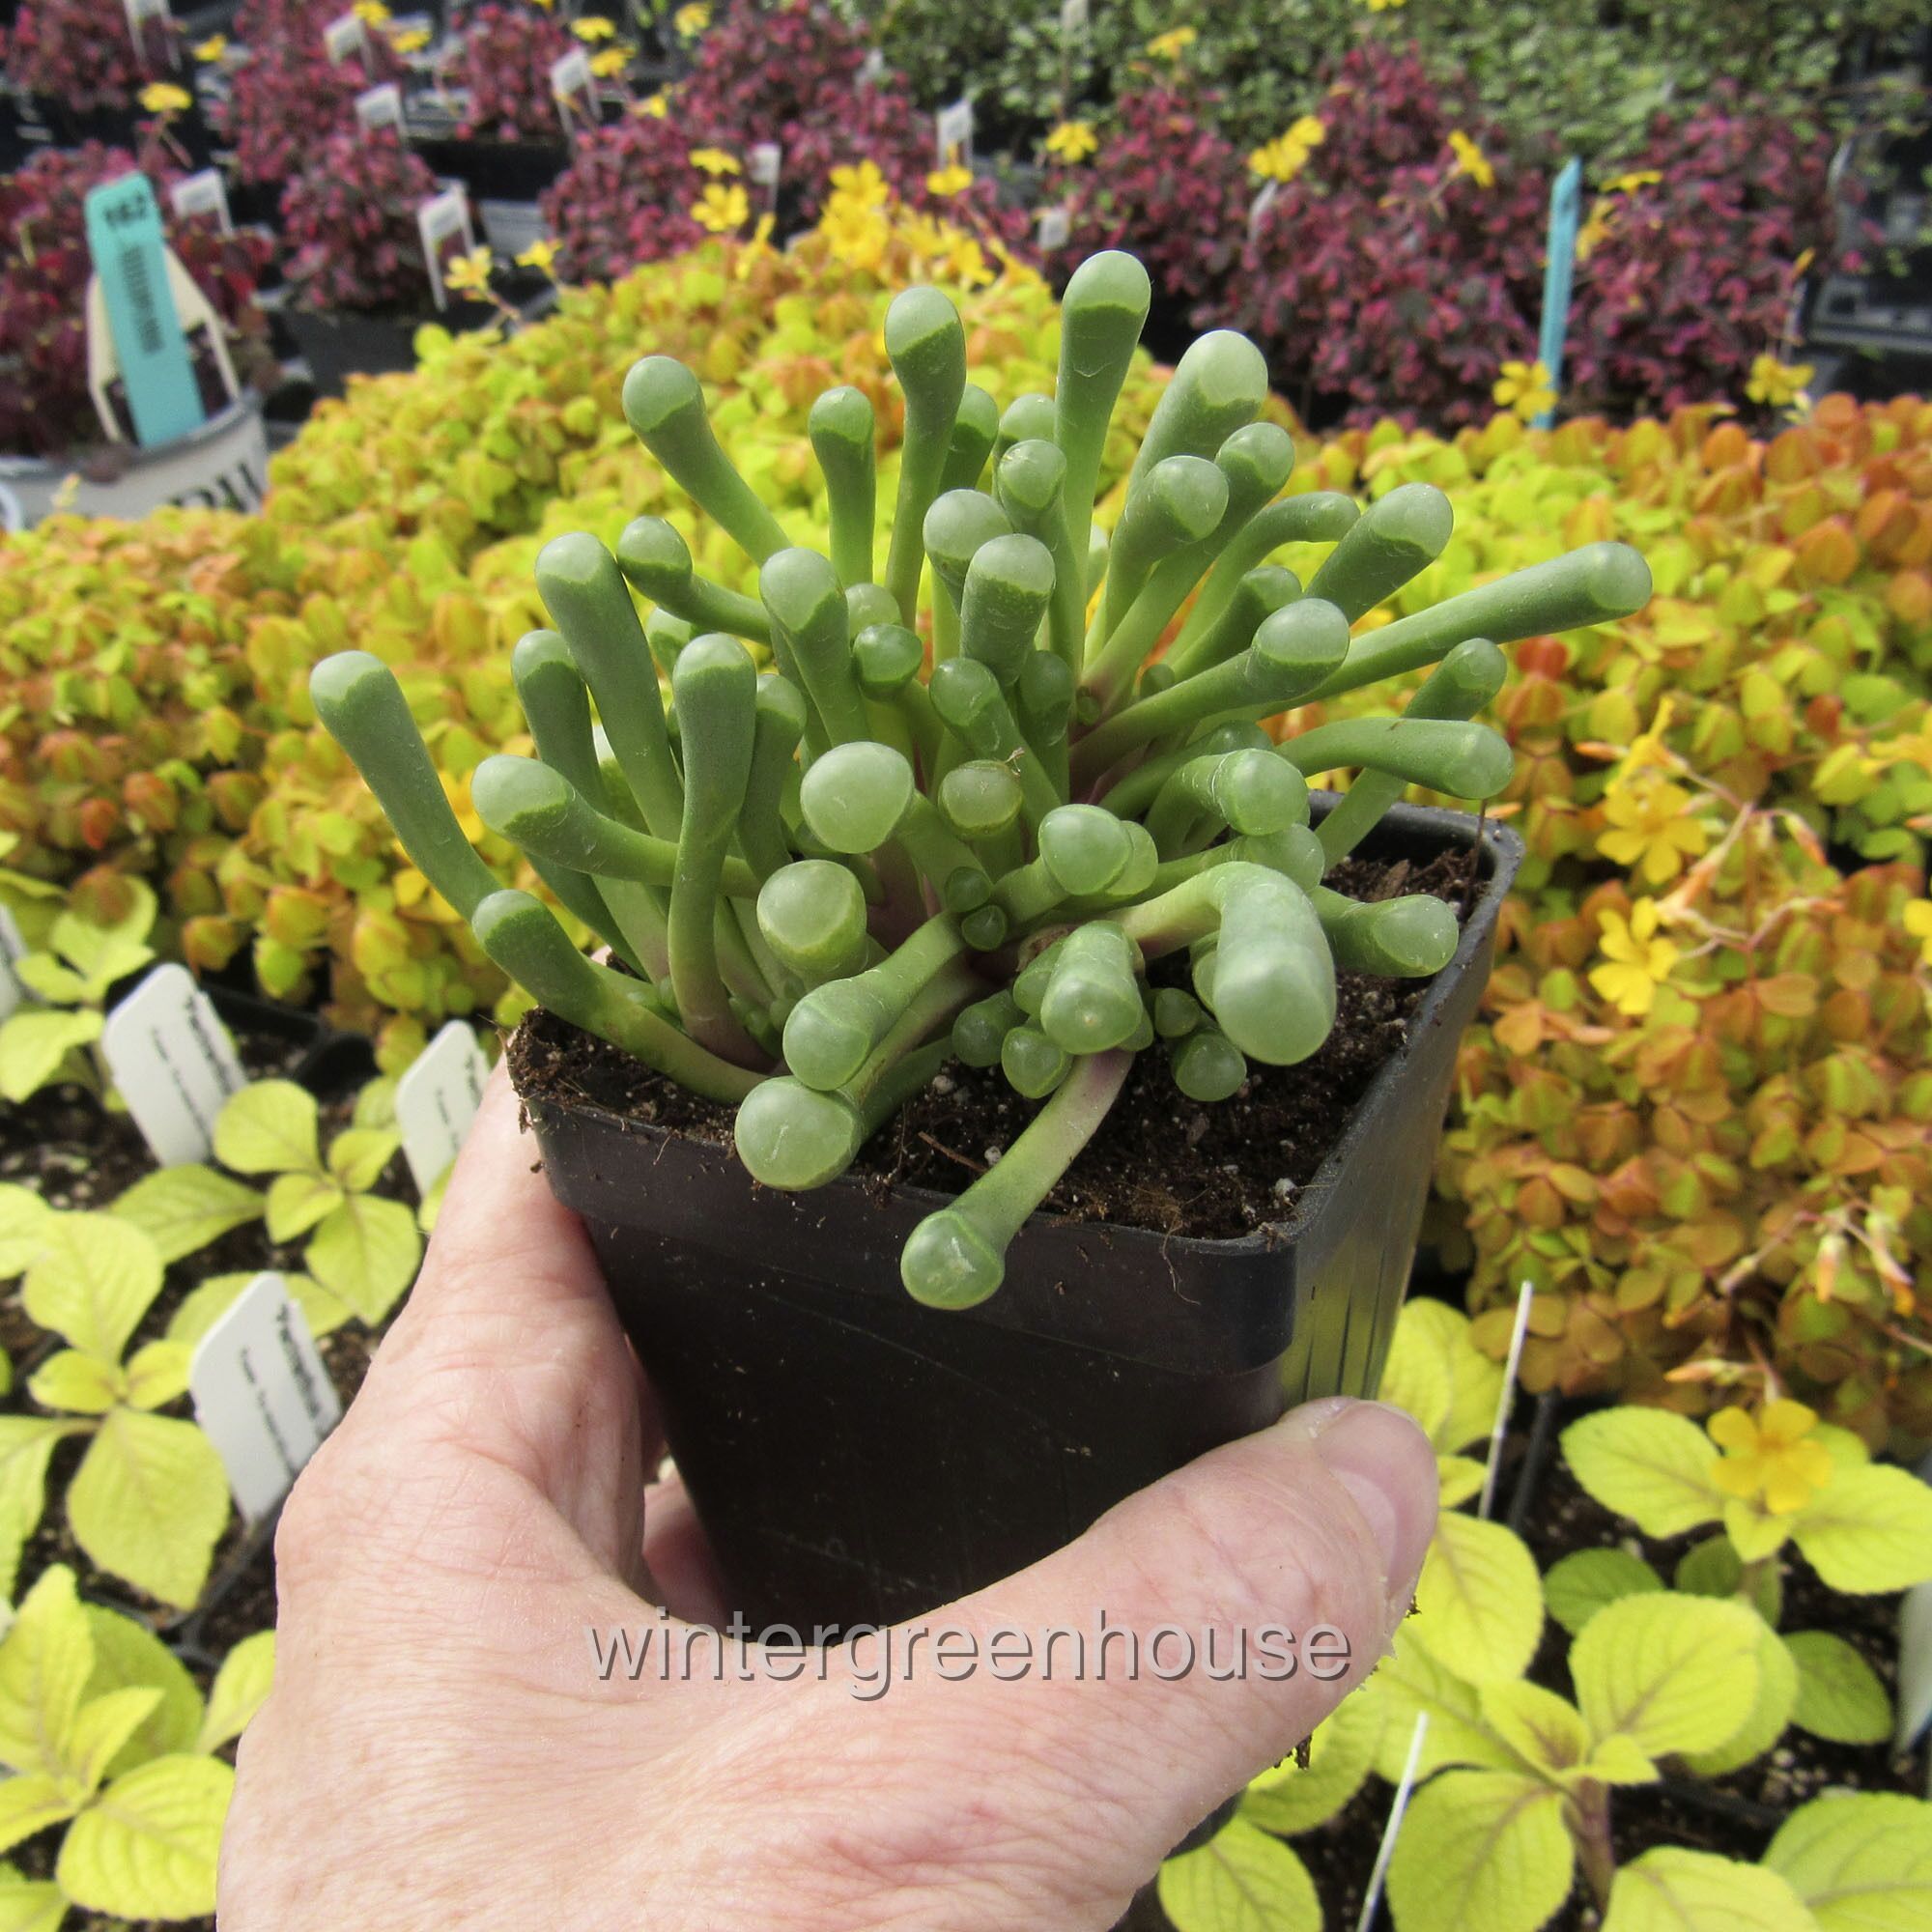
{"type": "Point", "coordinates": [124, 237]}
{"type": "Point", "coordinates": [1559, 274]}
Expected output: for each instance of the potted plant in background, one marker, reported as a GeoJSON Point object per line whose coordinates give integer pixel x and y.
{"type": "Point", "coordinates": [626, 197]}
{"type": "Point", "coordinates": [1058, 865]}
{"type": "Point", "coordinates": [83, 66]}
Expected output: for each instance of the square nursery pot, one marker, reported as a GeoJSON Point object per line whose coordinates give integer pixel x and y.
{"type": "Point", "coordinates": [857, 1457]}
{"type": "Point", "coordinates": [337, 345]}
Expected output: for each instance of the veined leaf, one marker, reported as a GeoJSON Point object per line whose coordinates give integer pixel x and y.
{"type": "Point", "coordinates": [1412, 1683]}
{"type": "Point", "coordinates": [1340, 1753]}
{"type": "Point", "coordinates": [35, 1044]}
{"type": "Point", "coordinates": [366, 1252]}
{"type": "Point", "coordinates": [1648, 1465]}
{"type": "Point", "coordinates": [75, 1383]}
{"type": "Point", "coordinates": [30, 1804]}
{"type": "Point", "coordinates": [358, 1156]}
{"type": "Point", "coordinates": [1546, 1731]}
{"type": "Point", "coordinates": [1869, 1529]}
{"type": "Point", "coordinates": [1486, 1848]}
{"type": "Point", "coordinates": [1579, 1585]}
{"type": "Point", "coordinates": [183, 1208]}
{"type": "Point", "coordinates": [45, 1660]}
{"type": "Point", "coordinates": [157, 1374]}
{"type": "Point", "coordinates": [103, 1730]}
{"type": "Point", "coordinates": [1840, 1695]}
{"type": "Point", "coordinates": [1669, 1672]}
{"type": "Point", "coordinates": [127, 1655]}
{"type": "Point", "coordinates": [26, 1443]}
{"type": "Point", "coordinates": [1478, 1602]}
{"type": "Point", "coordinates": [268, 1127]}
{"type": "Point", "coordinates": [241, 1687]}
{"type": "Point", "coordinates": [23, 1218]}
{"type": "Point", "coordinates": [148, 1503]}
{"type": "Point", "coordinates": [1765, 1721]}
{"type": "Point", "coordinates": [92, 1282]}
{"type": "Point", "coordinates": [146, 1848]}
{"type": "Point", "coordinates": [1240, 1881]}
{"type": "Point", "coordinates": [297, 1201]}
{"type": "Point", "coordinates": [1861, 1861]}
{"type": "Point", "coordinates": [1672, 1889]}
{"type": "Point", "coordinates": [29, 1905]}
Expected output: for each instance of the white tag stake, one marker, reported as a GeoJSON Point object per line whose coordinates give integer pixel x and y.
{"type": "Point", "coordinates": [1056, 229]}
{"type": "Point", "coordinates": [344, 34]}
{"type": "Point", "coordinates": [437, 1100]}
{"type": "Point", "coordinates": [570, 81]}
{"type": "Point", "coordinates": [1258, 208]}
{"type": "Point", "coordinates": [203, 193]}
{"type": "Point", "coordinates": [262, 1395]}
{"type": "Point", "coordinates": [12, 948]}
{"type": "Point", "coordinates": [763, 162]}
{"type": "Point", "coordinates": [1073, 15]}
{"type": "Point", "coordinates": [440, 218]}
{"type": "Point", "coordinates": [173, 1064]}
{"type": "Point", "coordinates": [953, 126]}
{"type": "Point", "coordinates": [1505, 1401]}
{"type": "Point", "coordinates": [1378, 1874]}
{"type": "Point", "coordinates": [381, 107]}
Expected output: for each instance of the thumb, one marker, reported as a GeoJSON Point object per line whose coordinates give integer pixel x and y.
{"type": "Point", "coordinates": [1314, 1528]}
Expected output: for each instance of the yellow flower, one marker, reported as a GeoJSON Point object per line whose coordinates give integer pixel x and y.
{"type": "Point", "coordinates": [470, 271]}
{"type": "Point", "coordinates": [721, 209]}
{"type": "Point", "coordinates": [1470, 159]}
{"type": "Point", "coordinates": [692, 21]}
{"type": "Point", "coordinates": [715, 161]}
{"type": "Point", "coordinates": [1073, 141]}
{"type": "Point", "coordinates": [410, 40]}
{"type": "Point", "coordinates": [1629, 184]}
{"type": "Point", "coordinates": [858, 234]}
{"type": "Point", "coordinates": [370, 13]}
{"type": "Point", "coordinates": [1311, 130]}
{"type": "Point", "coordinates": [611, 63]}
{"type": "Point", "coordinates": [1654, 828]}
{"type": "Point", "coordinates": [593, 27]}
{"type": "Point", "coordinates": [1771, 1456]}
{"type": "Point", "coordinates": [1172, 44]}
{"type": "Point", "coordinates": [1776, 383]}
{"type": "Point", "coordinates": [952, 181]}
{"type": "Point", "coordinates": [161, 96]}
{"type": "Point", "coordinates": [1597, 230]}
{"type": "Point", "coordinates": [657, 106]}
{"type": "Point", "coordinates": [541, 254]}
{"type": "Point", "coordinates": [1383, 6]}
{"type": "Point", "coordinates": [758, 246]}
{"type": "Point", "coordinates": [964, 261]}
{"type": "Point", "coordinates": [1640, 960]}
{"type": "Point", "coordinates": [863, 184]}
{"type": "Point", "coordinates": [1524, 388]}
{"type": "Point", "coordinates": [1287, 155]}
{"type": "Point", "coordinates": [212, 48]}
{"type": "Point", "coordinates": [1918, 924]}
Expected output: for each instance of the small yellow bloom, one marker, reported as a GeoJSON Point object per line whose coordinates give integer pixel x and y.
{"type": "Point", "coordinates": [370, 13]}
{"type": "Point", "coordinates": [410, 40]}
{"type": "Point", "coordinates": [611, 62]}
{"type": "Point", "coordinates": [1383, 6]}
{"type": "Point", "coordinates": [692, 21]}
{"type": "Point", "coordinates": [952, 181]}
{"type": "Point", "coordinates": [655, 107]}
{"type": "Point", "coordinates": [863, 184]}
{"type": "Point", "coordinates": [212, 48]}
{"type": "Point", "coordinates": [1770, 1458]}
{"type": "Point", "coordinates": [161, 96]}
{"type": "Point", "coordinates": [1918, 924]}
{"type": "Point", "coordinates": [1526, 388]}
{"type": "Point", "coordinates": [1470, 159]}
{"type": "Point", "coordinates": [1777, 383]}
{"type": "Point", "coordinates": [1640, 961]}
{"type": "Point", "coordinates": [715, 161]}
{"type": "Point", "coordinates": [1629, 184]}
{"type": "Point", "coordinates": [1280, 159]}
{"type": "Point", "coordinates": [546, 5]}
{"type": "Point", "coordinates": [721, 209]}
{"type": "Point", "coordinates": [1654, 828]}
{"type": "Point", "coordinates": [593, 27]}
{"type": "Point", "coordinates": [1173, 43]}
{"type": "Point", "coordinates": [1598, 229]}
{"type": "Point", "coordinates": [541, 255]}
{"type": "Point", "coordinates": [470, 271]}
{"type": "Point", "coordinates": [1073, 141]}
{"type": "Point", "coordinates": [1311, 130]}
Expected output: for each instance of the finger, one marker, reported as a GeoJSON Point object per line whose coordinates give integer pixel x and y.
{"type": "Point", "coordinates": [681, 1568]}
{"type": "Point", "coordinates": [1319, 1523]}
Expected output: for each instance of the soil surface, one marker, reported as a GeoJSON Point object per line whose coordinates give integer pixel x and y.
{"type": "Point", "coordinates": [1160, 1161]}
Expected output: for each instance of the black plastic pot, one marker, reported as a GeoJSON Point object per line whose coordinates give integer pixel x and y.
{"type": "Point", "coordinates": [859, 1459]}
{"type": "Point", "coordinates": [337, 346]}
{"type": "Point", "coordinates": [497, 170]}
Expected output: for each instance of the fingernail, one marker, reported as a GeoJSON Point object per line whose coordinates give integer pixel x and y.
{"type": "Point", "coordinates": [1384, 1462]}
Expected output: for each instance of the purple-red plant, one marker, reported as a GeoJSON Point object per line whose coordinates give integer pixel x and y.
{"type": "Point", "coordinates": [1163, 183]}
{"type": "Point", "coordinates": [625, 198]}
{"type": "Point", "coordinates": [1689, 259]}
{"type": "Point", "coordinates": [350, 223]}
{"type": "Point", "coordinates": [45, 405]}
{"type": "Point", "coordinates": [80, 53]}
{"type": "Point", "coordinates": [507, 54]}
{"type": "Point", "coordinates": [291, 94]}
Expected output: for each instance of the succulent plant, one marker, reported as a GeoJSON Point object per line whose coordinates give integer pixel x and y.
{"type": "Point", "coordinates": [821, 881]}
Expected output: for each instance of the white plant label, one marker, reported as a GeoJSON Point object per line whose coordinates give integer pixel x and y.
{"type": "Point", "coordinates": [1072, 18]}
{"type": "Point", "coordinates": [872, 68]}
{"type": "Point", "coordinates": [262, 1395]}
{"type": "Point", "coordinates": [203, 193]}
{"type": "Point", "coordinates": [953, 126]}
{"type": "Point", "coordinates": [1258, 208]}
{"type": "Point", "coordinates": [379, 107]}
{"type": "Point", "coordinates": [763, 162]}
{"type": "Point", "coordinates": [571, 84]}
{"type": "Point", "coordinates": [173, 1063]}
{"type": "Point", "coordinates": [1056, 228]}
{"type": "Point", "coordinates": [139, 10]}
{"type": "Point", "coordinates": [12, 948]}
{"type": "Point", "coordinates": [344, 34]}
{"type": "Point", "coordinates": [437, 1100]}
{"type": "Point", "coordinates": [442, 218]}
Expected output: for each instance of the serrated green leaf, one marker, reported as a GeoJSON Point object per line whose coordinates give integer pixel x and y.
{"type": "Point", "coordinates": [1770, 1712]}
{"type": "Point", "coordinates": [1340, 1753]}
{"type": "Point", "coordinates": [358, 1156]}
{"type": "Point", "coordinates": [34, 1046]}
{"type": "Point", "coordinates": [300, 1201]}
{"type": "Point", "coordinates": [127, 1655]}
{"type": "Point", "coordinates": [149, 1502]}
{"type": "Point", "coordinates": [23, 1220]}
{"type": "Point", "coordinates": [45, 1660]}
{"type": "Point", "coordinates": [1840, 1696]}
{"type": "Point", "coordinates": [1478, 1602]}
{"type": "Point", "coordinates": [102, 1731]}
{"type": "Point", "coordinates": [240, 1687]}
{"type": "Point", "coordinates": [366, 1252]}
{"type": "Point", "coordinates": [183, 1208]}
{"type": "Point", "coordinates": [30, 1804]}
{"type": "Point", "coordinates": [75, 1385]}
{"type": "Point", "coordinates": [146, 1848]}
{"type": "Point", "coordinates": [1579, 1585]}
{"type": "Point", "coordinates": [1647, 1465]}
{"type": "Point", "coordinates": [92, 1282]}
{"type": "Point", "coordinates": [1433, 1330]}
{"type": "Point", "coordinates": [26, 1442]}
{"type": "Point", "coordinates": [1861, 1861]}
{"type": "Point", "coordinates": [1546, 1731]}
{"type": "Point", "coordinates": [29, 1905]}
{"type": "Point", "coordinates": [1484, 1848]}
{"type": "Point", "coordinates": [1714, 1568]}
{"type": "Point", "coordinates": [157, 1374]}
{"type": "Point", "coordinates": [1672, 1889]}
{"type": "Point", "coordinates": [1868, 1529]}
{"type": "Point", "coordinates": [1240, 1881]}
{"type": "Point", "coordinates": [1415, 1378]}
{"type": "Point", "coordinates": [1411, 1684]}
{"type": "Point", "coordinates": [268, 1127]}
{"type": "Point", "coordinates": [1669, 1672]}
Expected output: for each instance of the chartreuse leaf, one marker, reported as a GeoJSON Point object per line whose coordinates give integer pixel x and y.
{"type": "Point", "coordinates": [26, 1442]}
{"type": "Point", "coordinates": [1340, 1753]}
{"type": "Point", "coordinates": [241, 1687]}
{"type": "Point", "coordinates": [1240, 1881]}
{"type": "Point", "coordinates": [45, 1660]}
{"type": "Point", "coordinates": [27, 1904]}
{"type": "Point", "coordinates": [1868, 1529]}
{"type": "Point", "coordinates": [1458, 1479]}
{"type": "Point", "coordinates": [128, 1656]}
{"type": "Point", "coordinates": [103, 1730]}
{"type": "Point", "coordinates": [92, 1282]}
{"type": "Point", "coordinates": [1412, 1683]}
{"type": "Point", "coordinates": [358, 1156]}
{"type": "Point", "coordinates": [298, 1202]}
{"type": "Point", "coordinates": [1546, 1731]}
{"type": "Point", "coordinates": [1416, 1377]}
{"type": "Point", "coordinates": [1752, 1531]}
{"type": "Point", "coordinates": [1478, 1603]}
{"type": "Point", "coordinates": [155, 1374]}
{"type": "Point", "coordinates": [75, 1383]}
{"type": "Point", "coordinates": [148, 1503]}
{"type": "Point", "coordinates": [1434, 1359]}
{"type": "Point", "coordinates": [30, 1804]}
{"type": "Point", "coordinates": [23, 1220]}
{"type": "Point", "coordinates": [1770, 1712]}
{"type": "Point", "coordinates": [1648, 1465]}
{"type": "Point", "coordinates": [1714, 1568]}
{"type": "Point", "coordinates": [183, 1208]}
{"type": "Point", "coordinates": [202, 1307]}
{"type": "Point", "coordinates": [1840, 1695]}
{"type": "Point", "coordinates": [1579, 1585]}
{"type": "Point", "coordinates": [1670, 1890]}
{"type": "Point", "coordinates": [1671, 1673]}
{"type": "Point", "coordinates": [1486, 1848]}
{"type": "Point", "coordinates": [33, 1045]}
{"type": "Point", "coordinates": [366, 1252]}
{"type": "Point", "coordinates": [1861, 1861]}
{"type": "Point", "coordinates": [146, 1847]}
{"type": "Point", "coordinates": [268, 1127]}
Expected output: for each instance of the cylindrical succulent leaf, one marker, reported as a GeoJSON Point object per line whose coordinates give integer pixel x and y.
{"type": "Point", "coordinates": [926, 347]}
{"type": "Point", "coordinates": [843, 434]}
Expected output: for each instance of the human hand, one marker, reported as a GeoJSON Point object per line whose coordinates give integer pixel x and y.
{"type": "Point", "coordinates": [486, 1502]}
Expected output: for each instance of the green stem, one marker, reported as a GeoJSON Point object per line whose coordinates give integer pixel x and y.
{"type": "Point", "coordinates": [1322, 516]}
{"type": "Point", "coordinates": [656, 562]}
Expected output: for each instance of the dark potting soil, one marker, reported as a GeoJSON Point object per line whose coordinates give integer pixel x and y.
{"type": "Point", "coordinates": [1160, 1161]}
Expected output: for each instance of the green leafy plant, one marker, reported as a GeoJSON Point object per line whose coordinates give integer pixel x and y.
{"type": "Point", "coordinates": [989, 858]}
{"type": "Point", "coordinates": [109, 1735]}
{"type": "Point", "coordinates": [149, 1498]}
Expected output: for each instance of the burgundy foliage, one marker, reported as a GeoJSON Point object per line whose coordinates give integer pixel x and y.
{"type": "Point", "coordinates": [624, 199]}
{"type": "Point", "coordinates": [350, 224]}
{"type": "Point", "coordinates": [507, 53]}
{"type": "Point", "coordinates": [80, 53]}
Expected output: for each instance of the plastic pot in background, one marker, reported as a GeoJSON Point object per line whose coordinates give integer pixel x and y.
{"type": "Point", "coordinates": [339, 343]}
{"type": "Point", "coordinates": [857, 1457]}
{"type": "Point", "coordinates": [496, 170]}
